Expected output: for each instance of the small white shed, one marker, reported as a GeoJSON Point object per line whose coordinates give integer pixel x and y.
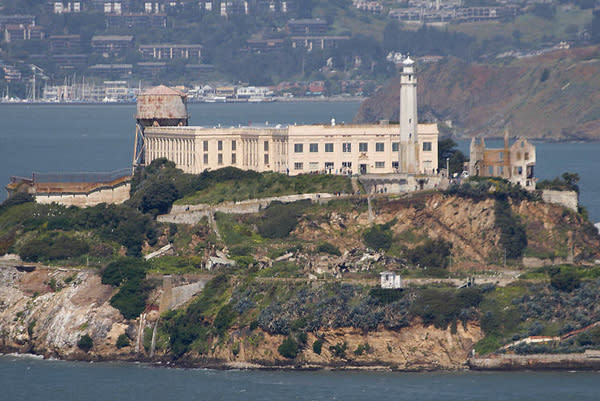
{"type": "Point", "coordinates": [390, 280]}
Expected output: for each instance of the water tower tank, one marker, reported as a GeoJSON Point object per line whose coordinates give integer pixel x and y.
{"type": "Point", "coordinates": [162, 106]}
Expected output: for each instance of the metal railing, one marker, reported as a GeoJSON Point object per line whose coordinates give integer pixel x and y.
{"type": "Point", "coordinates": [88, 177]}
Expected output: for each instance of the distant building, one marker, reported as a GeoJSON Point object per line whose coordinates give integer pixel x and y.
{"type": "Point", "coordinates": [317, 42]}
{"type": "Point", "coordinates": [16, 20]}
{"type": "Point", "coordinates": [263, 45]}
{"type": "Point", "coordinates": [515, 163]}
{"type": "Point", "coordinates": [171, 51]}
{"type": "Point", "coordinates": [65, 43]}
{"type": "Point", "coordinates": [136, 20]}
{"type": "Point", "coordinates": [112, 45]}
{"type": "Point", "coordinates": [407, 148]}
{"type": "Point", "coordinates": [23, 32]}
{"type": "Point", "coordinates": [234, 7]}
{"type": "Point", "coordinates": [151, 70]}
{"type": "Point", "coordinates": [390, 280]}
{"type": "Point", "coordinates": [199, 71]}
{"type": "Point", "coordinates": [66, 7]}
{"type": "Point", "coordinates": [161, 6]}
{"type": "Point", "coordinates": [315, 26]}
{"type": "Point", "coordinates": [113, 7]}
{"type": "Point", "coordinates": [11, 74]}
{"type": "Point", "coordinates": [68, 60]}
{"type": "Point", "coordinates": [112, 71]}
{"type": "Point", "coordinates": [248, 92]}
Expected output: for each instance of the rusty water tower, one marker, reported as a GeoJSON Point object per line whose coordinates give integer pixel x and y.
{"type": "Point", "coordinates": [160, 106]}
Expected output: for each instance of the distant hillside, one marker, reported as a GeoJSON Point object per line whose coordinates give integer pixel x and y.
{"type": "Point", "coordinates": [552, 96]}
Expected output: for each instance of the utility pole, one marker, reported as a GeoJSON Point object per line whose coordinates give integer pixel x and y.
{"type": "Point", "coordinates": [505, 258]}
{"type": "Point", "coordinates": [448, 167]}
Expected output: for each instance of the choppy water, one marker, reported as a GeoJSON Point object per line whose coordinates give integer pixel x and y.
{"type": "Point", "coordinates": [56, 138]}
{"type": "Point", "coordinates": [30, 379]}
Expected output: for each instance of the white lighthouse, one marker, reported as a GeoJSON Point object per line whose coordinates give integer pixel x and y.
{"type": "Point", "coordinates": [409, 140]}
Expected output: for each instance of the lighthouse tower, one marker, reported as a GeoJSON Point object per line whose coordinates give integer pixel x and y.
{"type": "Point", "coordinates": [409, 140]}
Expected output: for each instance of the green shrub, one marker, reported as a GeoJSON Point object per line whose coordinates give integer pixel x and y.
{"type": "Point", "coordinates": [433, 253]}
{"type": "Point", "coordinates": [131, 298]}
{"type": "Point", "coordinates": [378, 237]}
{"type": "Point", "coordinates": [54, 246]}
{"type": "Point", "coordinates": [386, 295]}
{"type": "Point", "coordinates": [513, 238]}
{"type": "Point", "coordinates": [362, 348]}
{"type": "Point", "coordinates": [339, 350]}
{"type": "Point", "coordinates": [224, 318]}
{"type": "Point", "coordinates": [442, 307]}
{"type": "Point", "coordinates": [567, 182]}
{"type": "Point", "coordinates": [565, 280]}
{"type": "Point", "coordinates": [317, 346]}
{"type": "Point", "coordinates": [279, 219]}
{"type": "Point", "coordinates": [192, 326]}
{"type": "Point", "coordinates": [331, 249]}
{"type": "Point", "coordinates": [241, 250]}
{"type": "Point", "coordinates": [85, 343]}
{"type": "Point", "coordinates": [302, 338]}
{"type": "Point", "coordinates": [288, 348]}
{"type": "Point", "coordinates": [124, 269]}
{"type": "Point", "coordinates": [16, 199]}
{"type": "Point", "coordinates": [31, 327]}
{"type": "Point", "coordinates": [158, 197]}
{"type": "Point", "coordinates": [123, 341]}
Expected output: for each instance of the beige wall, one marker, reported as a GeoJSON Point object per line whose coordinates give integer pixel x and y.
{"type": "Point", "coordinates": [116, 195]}
{"type": "Point", "coordinates": [195, 149]}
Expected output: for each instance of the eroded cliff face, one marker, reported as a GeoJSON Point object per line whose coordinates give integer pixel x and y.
{"type": "Point", "coordinates": [35, 318]}
{"type": "Point", "coordinates": [38, 316]}
{"type": "Point", "coordinates": [552, 231]}
{"type": "Point", "coordinates": [411, 348]}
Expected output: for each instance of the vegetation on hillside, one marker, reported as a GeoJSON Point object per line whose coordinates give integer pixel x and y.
{"type": "Point", "coordinates": [567, 182]}
{"type": "Point", "coordinates": [515, 93]}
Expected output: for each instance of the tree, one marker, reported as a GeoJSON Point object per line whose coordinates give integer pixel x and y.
{"type": "Point", "coordinates": [158, 197]}
{"type": "Point", "coordinates": [447, 149]}
{"type": "Point", "coordinates": [378, 237]}
{"type": "Point", "coordinates": [565, 280]}
{"type": "Point", "coordinates": [288, 348]}
{"type": "Point", "coordinates": [85, 343]}
{"type": "Point", "coordinates": [571, 179]}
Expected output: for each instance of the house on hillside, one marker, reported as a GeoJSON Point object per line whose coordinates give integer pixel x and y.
{"type": "Point", "coordinates": [390, 280]}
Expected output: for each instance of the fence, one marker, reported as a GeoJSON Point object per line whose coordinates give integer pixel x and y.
{"type": "Point", "coordinates": [89, 177]}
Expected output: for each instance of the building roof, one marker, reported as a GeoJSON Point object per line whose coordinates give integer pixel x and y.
{"type": "Point", "coordinates": [128, 38]}
{"type": "Point", "coordinates": [307, 21]}
{"type": "Point", "coordinates": [175, 46]}
{"type": "Point", "coordinates": [164, 91]}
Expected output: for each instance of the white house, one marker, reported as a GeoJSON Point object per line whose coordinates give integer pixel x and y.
{"type": "Point", "coordinates": [390, 280]}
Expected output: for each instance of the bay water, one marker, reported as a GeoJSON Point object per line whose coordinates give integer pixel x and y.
{"type": "Point", "coordinates": [28, 379]}
{"type": "Point", "coordinates": [84, 138]}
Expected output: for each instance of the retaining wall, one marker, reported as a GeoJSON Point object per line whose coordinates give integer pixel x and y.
{"type": "Point", "coordinates": [192, 214]}
{"type": "Point", "coordinates": [569, 199]}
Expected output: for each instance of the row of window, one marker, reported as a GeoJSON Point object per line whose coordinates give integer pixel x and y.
{"type": "Point", "coordinates": [233, 145]}
{"type": "Point", "coordinates": [314, 147]}
{"type": "Point", "coordinates": [233, 158]}
{"type": "Point", "coordinates": [312, 166]}
{"type": "Point", "coordinates": [347, 147]}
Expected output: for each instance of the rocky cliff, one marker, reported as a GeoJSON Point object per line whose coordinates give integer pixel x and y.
{"type": "Point", "coordinates": [47, 311]}
{"type": "Point", "coordinates": [551, 96]}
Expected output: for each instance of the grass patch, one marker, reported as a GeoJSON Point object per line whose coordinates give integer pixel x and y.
{"type": "Point", "coordinates": [266, 185]}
